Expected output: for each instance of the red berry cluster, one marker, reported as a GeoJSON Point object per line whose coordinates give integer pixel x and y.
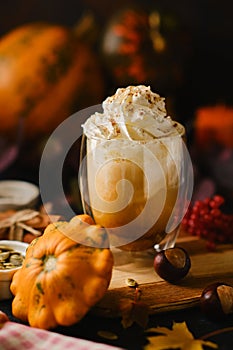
{"type": "Point", "coordinates": [206, 220]}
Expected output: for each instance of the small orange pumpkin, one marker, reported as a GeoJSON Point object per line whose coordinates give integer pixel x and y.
{"type": "Point", "coordinates": [60, 279]}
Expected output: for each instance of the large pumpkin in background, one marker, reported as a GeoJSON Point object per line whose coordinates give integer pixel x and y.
{"type": "Point", "coordinates": [46, 74]}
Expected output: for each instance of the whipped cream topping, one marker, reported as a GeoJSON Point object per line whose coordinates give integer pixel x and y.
{"type": "Point", "coordinates": [134, 113]}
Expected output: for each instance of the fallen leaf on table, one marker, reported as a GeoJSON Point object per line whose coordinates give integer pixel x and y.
{"type": "Point", "coordinates": [134, 311]}
{"type": "Point", "coordinates": [179, 337]}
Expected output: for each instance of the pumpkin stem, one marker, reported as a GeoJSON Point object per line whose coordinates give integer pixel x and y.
{"type": "Point", "coordinates": [50, 263]}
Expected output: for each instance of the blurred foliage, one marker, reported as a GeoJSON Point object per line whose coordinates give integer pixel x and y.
{"type": "Point", "coordinates": [207, 72]}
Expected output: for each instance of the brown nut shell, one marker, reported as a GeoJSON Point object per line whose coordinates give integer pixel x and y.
{"type": "Point", "coordinates": [172, 264]}
{"type": "Point", "coordinates": [217, 300]}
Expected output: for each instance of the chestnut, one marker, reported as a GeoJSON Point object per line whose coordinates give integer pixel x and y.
{"type": "Point", "coordinates": [172, 264]}
{"type": "Point", "coordinates": [217, 300]}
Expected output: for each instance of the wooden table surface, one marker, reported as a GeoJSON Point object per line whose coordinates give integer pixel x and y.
{"type": "Point", "coordinates": [168, 303]}
{"type": "Point", "coordinates": [206, 267]}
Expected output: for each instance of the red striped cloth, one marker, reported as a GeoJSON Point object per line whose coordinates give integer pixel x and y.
{"type": "Point", "coordinates": [14, 336]}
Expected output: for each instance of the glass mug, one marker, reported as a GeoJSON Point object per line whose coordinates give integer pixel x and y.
{"type": "Point", "coordinates": [137, 190]}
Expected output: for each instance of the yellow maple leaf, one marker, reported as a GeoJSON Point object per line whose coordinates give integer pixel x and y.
{"type": "Point", "coordinates": [179, 337]}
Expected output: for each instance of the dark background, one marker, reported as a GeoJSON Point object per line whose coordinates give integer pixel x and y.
{"type": "Point", "coordinates": [208, 23]}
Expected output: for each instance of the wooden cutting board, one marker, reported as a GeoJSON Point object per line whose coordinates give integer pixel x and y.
{"type": "Point", "coordinates": [159, 295]}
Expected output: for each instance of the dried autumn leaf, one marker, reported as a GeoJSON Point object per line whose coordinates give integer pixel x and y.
{"type": "Point", "coordinates": [133, 311]}
{"type": "Point", "coordinates": [179, 337]}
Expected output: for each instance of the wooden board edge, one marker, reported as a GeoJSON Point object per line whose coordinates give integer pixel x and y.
{"type": "Point", "coordinates": [173, 297]}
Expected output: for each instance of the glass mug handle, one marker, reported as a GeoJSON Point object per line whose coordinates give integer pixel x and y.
{"type": "Point", "coordinates": [169, 241]}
